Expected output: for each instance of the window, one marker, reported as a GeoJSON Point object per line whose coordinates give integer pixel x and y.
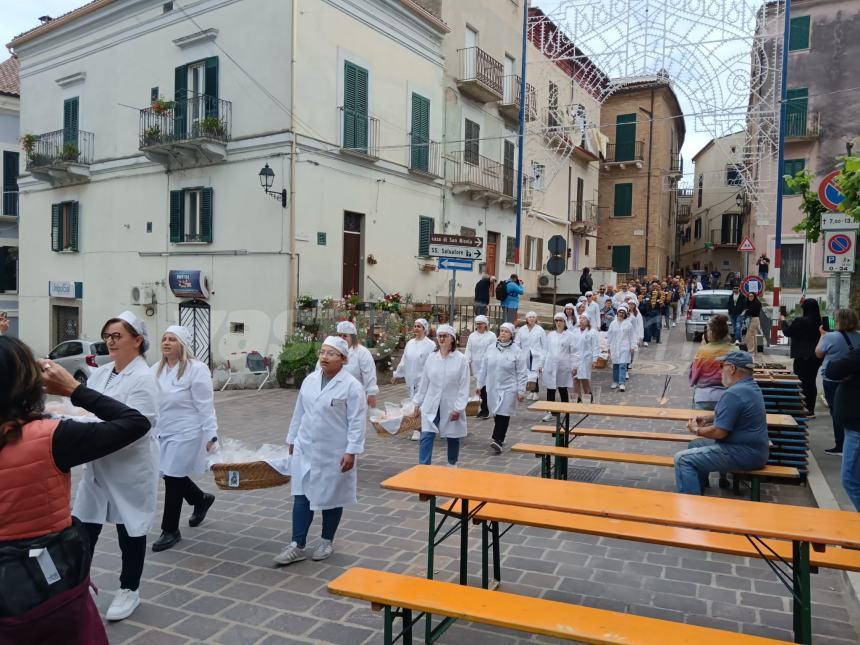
{"type": "Point", "coordinates": [65, 226]}
{"type": "Point", "coordinates": [796, 106]}
{"type": "Point", "coordinates": [733, 176]}
{"type": "Point", "coordinates": [70, 122]}
{"type": "Point", "coordinates": [420, 153]}
{"type": "Point", "coordinates": [700, 190]}
{"type": "Point", "coordinates": [425, 230]}
{"type": "Point", "coordinates": [510, 249]}
{"type": "Point", "coordinates": [623, 206]}
{"type": "Point", "coordinates": [791, 167]}
{"type": "Point", "coordinates": [538, 171]}
{"type": "Point", "coordinates": [355, 107]}
{"type": "Point", "coordinates": [65, 350]}
{"type": "Point", "coordinates": [167, 7]}
{"type": "Point", "coordinates": [621, 259]}
{"type": "Point", "coordinates": [8, 268]}
{"type": "Point", "coordinates": [237, 328]}
{"type": "Point", "coordinates": [697, 228]}
{"type": "Point", "coordinates": [625, 137]}
{"type": "Point", "coordinates": [191, 215]}
{"type": "Point", "coordinates": [196, 95]}
{"type": "Point", "coordinates": [731, 228]}
{"type": "Point", "coordinates": [508, 168]}
{"type": "Point", "coordinates": [534, 254]}
{"type": "Point", "coordinates": [587, 246]}
{"type": "Point", "coordinates": [9, 205]}
{"type": "Point", "coordinates": [798, 33]}
{"type": "Point", "coordinates": [321, 238]}
{"type": "Point", "coordinates": [471, 150]}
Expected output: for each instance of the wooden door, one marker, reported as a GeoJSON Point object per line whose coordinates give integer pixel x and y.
{"type": "Point", "coordinates": [351, 253]}
{"type": "Point", "coordinates": [492, 247]}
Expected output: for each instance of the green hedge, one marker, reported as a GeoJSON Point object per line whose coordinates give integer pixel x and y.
{"type": "Point", "coordinates": [296, 361]}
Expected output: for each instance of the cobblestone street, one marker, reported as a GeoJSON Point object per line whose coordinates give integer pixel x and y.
{"type": "Point", "coordinates": [219, 584]}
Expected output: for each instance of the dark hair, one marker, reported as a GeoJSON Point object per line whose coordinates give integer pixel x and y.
{"type": "Point", "coordinates": [22, 398]}
{"type": "Point", "coordinates": [585, 270]}
{"type": "Point", "coordinates": [514, 276]}
{"type": "Point", "coordinates": [131, 330]}
{"type": "Point", "coordinates": [811, 311]}
{"type": "Point", "coordinates": [718, 326]}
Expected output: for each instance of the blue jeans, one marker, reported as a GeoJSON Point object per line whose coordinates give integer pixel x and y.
{"type": "Point", "coordinates": [702, 457]}
{"type": "Point", "coordinates": [738, 325]}
{"type": "Point", "coordinates": [303, 516]}
{"type": "Point", "coordinates": [829, 395]}
{"type": "Point", "coordinates": [704, 405]}
{"type": "Point", "coordinates": [425, 449]}
{"type": "Point", "coordinates": [851, 465]}
{"type": "Point", "coordinates": [652, 328]}
{"type": "Point", "coordinates": [619, 373]}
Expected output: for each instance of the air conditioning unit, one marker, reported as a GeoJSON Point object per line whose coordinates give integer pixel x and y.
{"type": "Point", "coordinates": [142, 295]}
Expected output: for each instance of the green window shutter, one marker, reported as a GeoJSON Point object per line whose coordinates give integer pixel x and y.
{"type": "Point", "coordinates": [472, 149]}
{"type": "Point", "coordinates": [74, 222]}
{"type": "Point", "coordinates": [796, 105]}
{"type": "Point", "coordinates": [621, 259]}
{"type": "Point", "coordinates": [420, 132]}
{"type": "Point", "coordinates": [206, 214]}
{"type": "Point", "coordinates": [355, 110]}
{"type": "Point", "coordinates": [180, 95]}
{"type": "Point", "coordinates": [625, 137]}
{"type": "Point", "coordinates": [791, 167]}
{"type": "Point", "coordinates": [56, 227]}
{"type": "Point", "coordinates": [177, 216]}
{"type": "Point", "coordinates": [623, 200]}
{"type": "Point", "coordinates": [211, 83]}
{"type": "Point", "coordinates": [798, 33]}
{"type": "Point", "coordinates": [425, 230]}
{"type": "Point", "coordinates": [70, 121]}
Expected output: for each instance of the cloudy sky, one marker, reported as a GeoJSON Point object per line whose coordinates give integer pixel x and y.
{"type": "Point", "coordinates": [17, 16]}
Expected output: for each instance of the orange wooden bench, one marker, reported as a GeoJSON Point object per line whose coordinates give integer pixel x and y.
{"type": "Point", "coordinates": [618, 434]}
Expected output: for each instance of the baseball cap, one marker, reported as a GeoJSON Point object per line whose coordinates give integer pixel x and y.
{"type": "Point", "coordinates": [738, 359]}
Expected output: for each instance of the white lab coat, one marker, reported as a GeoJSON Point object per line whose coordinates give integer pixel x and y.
{"type": "Point", "coordinates": [411, 365]}
{"type": "Point", "coordinates": [621, 339]}
{"type": "Point", "coordinates": [588, 349]}
{"type": "Point", "coordinates": [476, 347]}
{"type": "Point", "coordinates": [362, 366]}
{"type": "Point", "coordinates": [532, 341]}
{"type": "Point", "coordinates": [327, 423]}
{"type": "Point", "coordinates": [122, 488]}
{"type": "Point", "coordinates": [592, 310]}
{"type": "Point", "coordinates": [621, 297]}
{"type": "Point", "coordinates": [638, 326]}
{"type": "Point", "coordinates": [186, 418]}
{"type": "Point", "coordinates": [504, 373]}
{"type": "Point", "coordinates": [559, 359]}
{"type": "Point", "coordinates": [444, 390]}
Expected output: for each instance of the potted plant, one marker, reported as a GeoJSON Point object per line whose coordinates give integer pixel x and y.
{"type": "Point", "coordinates": [352, 301]}
{"type": "Point", "coordinates": [151, 135]}
{"type": "Point", "coordinates": [160, 107]}
{"type": "Point", "coordinates": [306, 302]}
{"type": "Point", "coordinates": [327, 303]}
{"type": "Point", "coordinates": [69, 152]}
{"type": "Point", "coordinates": [212, 127]}
{"type": "Point", "coordinates": [422, 307]}
{"type": "Point", "coordinates": [28, 143]}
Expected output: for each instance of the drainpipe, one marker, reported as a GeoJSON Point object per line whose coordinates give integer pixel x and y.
{"type": "Point", "coordinates": [648, 184]}
{"type": "Point", "coordinates": [292, 289]}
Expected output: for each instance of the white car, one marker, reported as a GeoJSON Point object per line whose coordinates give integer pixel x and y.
{"type": "Point", "coordinates": [703, 305]}
{"type": "Point", "coordinates": [80, 357]}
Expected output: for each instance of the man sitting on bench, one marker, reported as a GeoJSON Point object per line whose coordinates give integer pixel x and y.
{"type": "Point", "coordinates": [734, 437]}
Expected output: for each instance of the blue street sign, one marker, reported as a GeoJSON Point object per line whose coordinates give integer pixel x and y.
{"type": "Point", "coordinates": [455, 264]}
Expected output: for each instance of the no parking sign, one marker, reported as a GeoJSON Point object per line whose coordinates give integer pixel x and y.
{"type": "Point", "coordinates": [839, 248]}
{"type": "Point", "coordinates": [752, 284]}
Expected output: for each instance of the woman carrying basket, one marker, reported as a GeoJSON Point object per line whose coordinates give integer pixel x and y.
{"type": "Point", "coordinates": [411, 365]}
{"type": "Point", "coordinates": [530, 339]}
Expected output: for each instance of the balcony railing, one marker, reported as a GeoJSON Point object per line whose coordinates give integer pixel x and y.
{"type": "Point", "coordinates": [683, 214]}
{"type": "Point", "coordinates": [510, 105]}
{"type": "Point", "coordinates": [631, 151]}
{"type": "Point", "coordinates": [478, 171]}
{"type": "Point", "coordinates": [204, 118]}
{"type": "Point", "coordinates": [10, 203]}
{"type": "Point", "coordinates": [480, 75]}
{"type": "Point", "coordinates": [359, 133]}
{"type": "Point", "coordinates": [425, 157]}
{"type": "Point", "coordinates": [584, 212]}
{"type": "Point", "coordinates": [802, 124]}
{"type": "Point", "coordinates": [60, 148]}
{"type": "Point", "coordinates": [676, 164]}
{"type": "Point", "coordinates": [726, 236]}
{"type": "Point", "coordinates": [685, 193]}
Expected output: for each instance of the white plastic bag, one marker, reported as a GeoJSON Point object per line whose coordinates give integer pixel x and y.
{"type": "Point", "coordinates": [232, 451]}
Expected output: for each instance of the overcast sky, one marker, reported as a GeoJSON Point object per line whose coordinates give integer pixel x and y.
{"type": "Point", "coordinates": [17, 16]}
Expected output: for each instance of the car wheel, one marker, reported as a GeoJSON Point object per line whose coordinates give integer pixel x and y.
{"type": "Point", "coordinates": [689, 335]}
{"type": "Point", "coordinates": [80, 377]}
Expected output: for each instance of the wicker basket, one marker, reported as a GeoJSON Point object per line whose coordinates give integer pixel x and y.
{"type": "Point", "coordinates": [532, 386]}
{"type": "Point", "coordinates": [248, 476]}
{"type": "Point", "coordinates": [408, 424]}
{"type": "Point", "coordinates": [600, 363]}
{"type": "Point", "coordinates": [473, 407]}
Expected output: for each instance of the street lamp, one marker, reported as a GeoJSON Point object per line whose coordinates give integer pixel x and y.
{"type": "Point", "coordinates": [267, 178]}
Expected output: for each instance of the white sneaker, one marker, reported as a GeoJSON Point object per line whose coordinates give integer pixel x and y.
{"type": "Point", "coordinates": [451, 465]}
{"type": "Point", "coordinates": [292, 553]}
{"type": "Point", "coordinates": [547, 417]}
{"type": "Point", "coordinates": [674, 324]}
{"type": "Point", "coordinates": [613, 386]}
{"type": "Point", "coordinates": [324, 549]}
{"type": "Point", "coordinates": [416, 435]}
{"type": "Point", "coordinates": [621, 388]}
{"type": "Point", "coordinates": [645, 343]}
{"type": "Point", "coordinates": [123, 605]}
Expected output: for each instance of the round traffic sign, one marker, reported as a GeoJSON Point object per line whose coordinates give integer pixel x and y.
{"type": "Point", "coordinates": [555, 265]}
{"type": "Point", "coordinates": [752, 284]}
{"type": "Point", "coordinates": [828, 192]}
{"type": "Point", "coordinates": [557, 245]}
{"type": "Point", "coordinates": [839, 244]}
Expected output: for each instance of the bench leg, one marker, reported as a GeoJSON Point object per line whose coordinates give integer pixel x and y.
{"type": "Point", "coordinates": [736, 484]}
{"type": "Point", "coordinates": [497, 547]}
{"type": "Point", "coordinates": [464, 541]}
{"type": "Point", "coordinates": [431, 539]}
{"type": "Point", "coordinates": [407, 627]}
{"type": "Point", "coordinates": [802, 593]}
{"type": "Point", "coordinates": [545, 466]}
{"type": "Point", "coordinates": [388, 628]}
{"type": "Point", "coordinates": [485, 555]}
{"type": "Point", "coordinates": [755, 489]}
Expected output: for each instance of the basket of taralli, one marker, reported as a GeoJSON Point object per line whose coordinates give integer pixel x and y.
{"type": "Point", "coordinates": [395, 419]}
{"type": "Point", "coordinates": [237, 467]}
{"type": "Point", "coordinates": [600, 362]}
{"type": "Point", "coordinates": [532, 386]}
{"type": "Point", "coordinates": [473, 407]}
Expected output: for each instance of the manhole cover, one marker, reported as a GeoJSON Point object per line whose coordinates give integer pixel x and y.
{"type": "Point", "coordinates": [655, 367]}
{"type": "Point", "coordinates": [576, 473]}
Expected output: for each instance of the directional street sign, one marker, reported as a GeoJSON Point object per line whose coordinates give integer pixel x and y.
{"type": "Point", "coordinates": [455, 264]}
{"type": "Point", "coordinates": [828, 192]}
{"type": "Point", "coordinates": [839, 248]}
{"type": "Point", "coordinates": [447, 251]}
{"type": "Point", "coordinates": [457, 240]}
{"type": "Point", "coordinates": [746, 245]}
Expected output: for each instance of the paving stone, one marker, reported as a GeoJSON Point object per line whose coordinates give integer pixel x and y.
{"type": "Point", "coordinates": [733, 582]}
{"type": "Point", "coordinates": [122, 631]}
{"type": "Point", "coordinates": [243, 591]}
{"type": "Point", "coordinates": [200, 626]}
{"type": "Point", "coordinates": [240, 635]}
{"type": "Point", "coordinates": [209, 605]}
{"type": "Point", "coordinates": [699, 577]}
{"type": "Point", "coordinates": [287, 600]}
{"type": "Point", "coordinates": [294, 624]}
{"type": "Point", "coordinates": [156, 637]}
{"type": "Point", "coordinates": [762, 601]}
{"type": "Point", "coordinates": [329, 632]}
{"type": "Point", "coordinates": [733, 612]}
{"type": "Point", "coordinates": [160, 617]}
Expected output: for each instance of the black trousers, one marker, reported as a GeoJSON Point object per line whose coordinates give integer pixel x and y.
{"type": "Point", "coordinates": [484, 409]}
{"type": "Point", "coordinates": [500, 428]}
{"type": "Point", "coordinates": [807, 370]}
{"type": "Point", "coordinates": [562, 394]}
{"type": "Point", "coordinates": [175, 490]}
{"type": "Point", "coordinates": [133, 551]}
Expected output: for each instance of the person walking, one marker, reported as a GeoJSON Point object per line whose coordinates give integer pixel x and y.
{"type": "Point", "coordinates": [327, 433]}
{"type": "Point", "coordinates": [483, 288]}
{"type": "Point", "coordinates": [511, 303]}
{"type": "Point", "coordinates": [122, 488]}
{"type": "Point", "coordinates": [752, 311]}
{"type": "Point", "coordinates": [736, 305]}
{"type": "Point", "coordinates": [621, 340]}
{"type": "Point", "coordinates": [441, 400]}
{"type": "Point", "coordinates": [763, 265]}
{"type": "Point", "coordinates": [607, 315]}
{"type": "Point", "coordinates": [835, 345]}
{"type": "Point", "coordinates": [37, 454]}
{"type": "Point", "coordinates": [477, 345]}
{"type": "Point", "coordinates": [847, 369]}
{"type": "Point", "coordinates": [187, 430]}
{"type": "Point", "coordinates": [588, 349]}
{"type": "Point", "coordinates": [530, 339]}
{"type": "Point", "coordinates": [638, 323]}
{"type": "Point", "coordinates": [503, 372]}
{"type": "Point", "coordinates": [411, 365]}
{"type": "Point", "coordinates": [592, 310]}
{"type": "Point", "coordinates": [570, 316]}
{"type": "Point", "coordinates": [666, 309]}
{"type": "Point", "coordinates": [586, 282]}
{"type": "Point", "coordinates": [360, 364]}
{"type": "Point", "coordinates": [651, 309]}
{"type": "Point", "coordinates": [559, 361]}
{"type": "Point", "coordinates": [804, 335]}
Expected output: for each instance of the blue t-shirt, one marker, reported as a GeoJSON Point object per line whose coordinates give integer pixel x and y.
{"type": "Point", "coordinates": [741, 412]}
{"type": "Point", "coordinates": [833, 346]}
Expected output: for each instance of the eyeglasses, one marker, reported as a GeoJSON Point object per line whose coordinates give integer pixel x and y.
{"type": "Point", "coordinates": [345, 336]}
{"type": "Point", "coordinates": [111, 337]}
{"type": "Point", "coordinates": [329, 353]}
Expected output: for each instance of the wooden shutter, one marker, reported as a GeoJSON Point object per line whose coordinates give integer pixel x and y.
{"type": "Point", "coordinates": [10, 183]}
{"type": "Point", "coordinates": [177, 216]}
{"type": "Point", "coordinates": [206, 196]}
{"type": "Point", "coordinates": [623, 200]}
{"type": "Point", "coordinates": [210, 80]}
{"type": "Point", "coordinates": [180, 95]}
{"type": "Point", "coordinates": [70, 121]}
{"type": "Point", "coordinates": [527, 261]}
{"type": "Point", "coordinates": [625, 137]}
{"type": "Point", "coordinates": [510, 249]}
{"type": "Point", "coordinates": [74, 225]}
{"type": "Point", "coordinates": [472, 148]}
{"type": "Point", "coordinates": [796, 105]}
{"type": "Point", "coordinates": [425, 230]}
{"type": "Point", "coordinates": [56, 227]}
{"type": "Point", "coordinates": [420, 132]}
{"type": "Point", "coordinates": [539, 265]}
{"type": "Point", "coordinates": [355, 110]}
{"type": "Point", "coordinates": [621, 259]}
{"type": "Point", "coordinates": [798, 33]}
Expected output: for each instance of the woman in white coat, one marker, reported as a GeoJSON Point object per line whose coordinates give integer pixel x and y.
{"type": "Point", "coordinates": [122, 488]}
{"type": "Point", "coordinates": [592, 310]}
{"type": "Point", "coordinates": [504, 373]}
{"type": "Point", "coordinates": [621, 339]}
{"type": "Point", "coordinates": [479, 341]}
{"type": "Point", "coordinates": [326, 433]}
{"type": "Point", "coordinates": [570, 316]}
{"type": "Point", "coordinates": [636, 319]}
{"type": "Point", "coordinates": [442, 397]}
{"type": "Point", "coordinates": [558, 364]}
{"type": "Point", "coordinates": [360, 364]}
{"type": "Point", "coordinates": [415, 354]}
{"type": "Point", "coordinates": [187, 429]}
{"type": "Point", "coordinates": [588, 349]}
{"type": "Point", "coordinates": [530, 338]}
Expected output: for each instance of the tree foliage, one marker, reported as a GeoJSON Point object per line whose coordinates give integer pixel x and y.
{"type": "Point", "coordinates": [812, 209]}
{"type": "Point", "coordinates": [849, 183]}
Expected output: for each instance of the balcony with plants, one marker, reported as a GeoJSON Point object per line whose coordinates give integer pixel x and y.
{"type": "Point", "coordinates": [61, 158]}
{"type": "Point", "coordinates": [480, 75]}
{"type": "Point", "coordinates": [509, 107]}
{"type": "Point", "coordinates": [185, 132]}
{"type": "Point", "coordinates": [583, 217]}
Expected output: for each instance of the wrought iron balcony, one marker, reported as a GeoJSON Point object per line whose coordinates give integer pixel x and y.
{"type": "Point", "coordinates": [729, 237]}
{"type": "Point", "coordinates": [583, 216]}
{"type": "Point", "coordinates": [802, 125]}
{"type": "Point", "coordinates": [358, 133]}
{"type": "Point", "coordinates": [480, 75]}
{"type": "Point", "coordinates": [622, 154]}
{"type": "Point", "coordinates": [9, 203]}
{"type": "Point", "coordinates": [190, 131]}
{"type": "Point", "coordinates": [483, 178]}
{"type": "Point", "coordinates": [61, 157]}
{"type": "Point", "coordinates": [425, 157]}
{"type": "Point", "coordinates": [676, 165]}
{"type": "Point", "coordinates": [685, 193]}
{"type": "Point", "coordinates": [509, 108]}
{"type": "Point", "coordinates": [683, 214]}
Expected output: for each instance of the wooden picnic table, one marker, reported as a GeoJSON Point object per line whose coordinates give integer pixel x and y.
{"type": "Point", "coordinates": [756, 520]}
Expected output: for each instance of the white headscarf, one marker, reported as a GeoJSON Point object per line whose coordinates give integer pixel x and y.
{"type": "Point", "coordinates": [184, 336]}
{"type": "Point", "coordinates": [138, 325]}
{"type": "Point", "coordinates": [531, 314]}
{"type": "Point", "coordinates": [338, 343]}
{"type": "Point", "coordinates": [424, 324]}
{"type": "Point", "coordinates": [559, 316]}
{"type": "Point", "coordinates": [509, 326]}
{"type": "Point", "coordinates": [482, 319]}
{"type": "Point", "coordinates": [346, 327]}
{"type": "Point", "coordinates": [446, 329]}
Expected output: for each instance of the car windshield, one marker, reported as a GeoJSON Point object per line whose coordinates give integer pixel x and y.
{"type": "Point", "coordinates": [100, 349]}
{"type": "Point", "coordinates": [711, 301]}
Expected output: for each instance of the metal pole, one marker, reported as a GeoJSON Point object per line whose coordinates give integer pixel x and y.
{"type": "Point", "coordinates": [554, 294]}
{"type": "Point", "coordinates": [777, 244]}
{"type": "Point", "coordinates": [521, 131]}
{"type": "Point", "coordinates": [451, 298]}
